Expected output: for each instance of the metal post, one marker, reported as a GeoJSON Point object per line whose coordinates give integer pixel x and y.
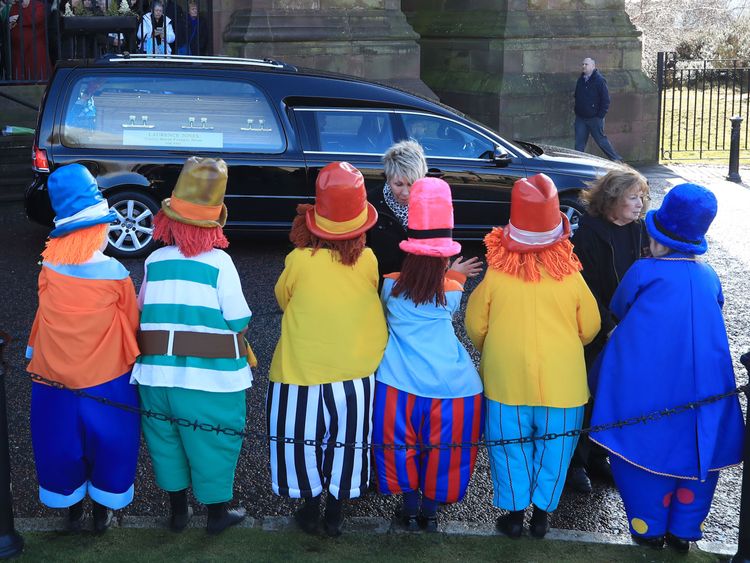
{"type": "Point", "coordinates": [11, 543]}
{"type": "Point", "coordinates": [743, 539]}
{"type": "Point", "coordinates": [734, 150]}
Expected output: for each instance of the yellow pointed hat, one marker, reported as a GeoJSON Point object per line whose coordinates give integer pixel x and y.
{"type": "Point", "coordinates": [198, 197]}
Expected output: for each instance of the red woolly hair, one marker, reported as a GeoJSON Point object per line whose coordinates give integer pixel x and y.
{"type": "Point", "coordinates": [76, 247]}
{"type": "Point", "coordinates": [422, 279]}
{"type": "Point", "coordinates": [346, 251]}
{"type": "Point", "coordinates": [189, 239]}
{"type": "Point", "coordinates": [558, 260]}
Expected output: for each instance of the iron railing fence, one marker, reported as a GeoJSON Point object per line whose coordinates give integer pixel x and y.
{"type": "Point", "coordinates": [696, 100]}
{"type": "Point", "coordinates": [35, 34]}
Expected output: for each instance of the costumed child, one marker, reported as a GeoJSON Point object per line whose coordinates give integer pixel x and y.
{"type": "Point", "coordinates": [669, 348]}
{"type": "Point", "coordinates": [333, 335]}
{"type": "Point", "coordinates": [427, 389]}
{"type": "Point", "coordinates": [83, 337]}
{"type": "Point", "coordinates": [530, 317]}
{"type": "Point", "coordinates": [194, 358]}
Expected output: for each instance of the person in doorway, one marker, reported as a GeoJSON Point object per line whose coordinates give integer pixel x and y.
{"type": "Point", "coordinates": [192, 33]}
{"type": "Point", "coordinates": [155, 31]}
{"type": "Point", "coordinates": [591, 106]}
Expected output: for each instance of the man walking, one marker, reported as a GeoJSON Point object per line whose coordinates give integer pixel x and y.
{"type": "Point", "coordinates": [591, 105]}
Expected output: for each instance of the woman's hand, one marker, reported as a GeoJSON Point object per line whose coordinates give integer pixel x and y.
{"type": "Point", "coordinates": [470, 268]}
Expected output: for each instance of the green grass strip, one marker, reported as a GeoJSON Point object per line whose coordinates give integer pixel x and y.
{"type": "Point", "coordinates": [129, 545]}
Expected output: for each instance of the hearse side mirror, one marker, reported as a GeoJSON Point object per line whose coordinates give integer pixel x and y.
{"type": "Point", "coordinates": [501, 158]}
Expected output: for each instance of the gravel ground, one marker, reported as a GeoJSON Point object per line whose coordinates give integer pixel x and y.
{"type": "Point", "coordinates": [259, 264]}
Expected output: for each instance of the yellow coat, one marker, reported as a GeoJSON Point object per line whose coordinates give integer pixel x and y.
{"type": "Point", "coordinates": [531, 337]}
{"type": "Point", "coordinates": [333, 327]}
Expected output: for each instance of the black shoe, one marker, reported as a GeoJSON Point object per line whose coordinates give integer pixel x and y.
{"type": "Point", "coordinates": [334, 517]}
{"type": "Point", "coordinates": [600, 469]}
{"type": "Point", "coordinates": [75, 517]}
{"type": "Point", "coordinates": [655, 542]}
{"type": "Point", "coordinates": [511, 524]}
{"type": "Point", "coordinates": [578, 479]}
{"type": "Point", "coordinates": [410, 522]}
{"type": "Point", "coordinates": [180, 512]}
{"type": "Point", "coordinates": [539, 525]}
{"type": "Point", "coordinates": [428, 523]}
{"type": "Point", "coordinates": [102, 517]}
{"type": "Point", "coordinates": [220, 517]}
{"type": "Point", "coordinates": [678, 544]}
{"type": "Point", "coordinates": [307, 516]}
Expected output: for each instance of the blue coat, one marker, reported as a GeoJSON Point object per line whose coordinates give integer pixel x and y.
{"type": "Point", "coordinates": [592, 96]}
{"type": "Point", "coordinates": [670, 348]}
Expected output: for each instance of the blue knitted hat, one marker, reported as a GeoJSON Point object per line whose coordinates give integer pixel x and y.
{"type": "Point", "coordinates": [683, 219]}
{"type": "Point", "coordinates": [76, 199]}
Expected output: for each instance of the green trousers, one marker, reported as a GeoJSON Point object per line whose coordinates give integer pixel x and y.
{"type": "Point", "coordinates": [184, 457]}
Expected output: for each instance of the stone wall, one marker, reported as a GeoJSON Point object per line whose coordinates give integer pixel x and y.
{"type": "Point", "coordinates": [513, 64]}
{"type": "Point", "coordinates": [366, 38]}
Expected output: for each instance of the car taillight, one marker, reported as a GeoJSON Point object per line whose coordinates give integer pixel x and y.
{"type": "Point", "coordinates": [39, 160]}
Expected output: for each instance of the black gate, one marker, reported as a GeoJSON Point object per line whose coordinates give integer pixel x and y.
{"type": "Point", "coordinates": [37, 33]}
{"type": "Point", "coordinates": [696, 100]}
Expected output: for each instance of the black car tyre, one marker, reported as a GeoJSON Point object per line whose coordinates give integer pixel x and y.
{"type": "Point", "coordinates": [573, 209]}
{"type": "Point", "coordinates": [131, 235]}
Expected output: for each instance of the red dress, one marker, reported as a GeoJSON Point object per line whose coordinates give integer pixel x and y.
{"type": "Point", "coordinates": [29, 42]}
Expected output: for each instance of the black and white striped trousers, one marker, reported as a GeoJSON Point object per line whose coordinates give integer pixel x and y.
{"type": "Point", "coordinates": [326, 413]}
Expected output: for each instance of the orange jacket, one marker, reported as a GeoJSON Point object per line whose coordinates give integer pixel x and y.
{"type": "Point", "coordinates": [84, 330]}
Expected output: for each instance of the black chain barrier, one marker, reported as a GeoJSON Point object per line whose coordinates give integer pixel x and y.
{"type": "Point", "coordinates": [246, 434]}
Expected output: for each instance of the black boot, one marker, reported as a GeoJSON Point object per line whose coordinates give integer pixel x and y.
{"type": "Point", "coordinates": [578, 479]}
{"type": "Point", "coordinates": [307, 516]}
{"type": "Point", "coordinates": [655, 542]}
{"type": "Point", "coordinates": [220, 517]}
{"type": "Point", "coordinates": [180, 511]}
{"type": "Point", "coordinates": [334, 517]}
{"type": "Point", "coordinates": [678, 544]}
{"type": "Point", "coordinates": [511, 524]}
{"type": "Point", "coordinates": [539, 525]}
{"type": "Point", "coordinates": [102, 517]}
{"type": "Point", "coordinates": [75, 517]}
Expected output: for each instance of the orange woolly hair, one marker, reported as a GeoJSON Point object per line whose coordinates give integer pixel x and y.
{"type": "Point", "coordinates": [346, 251]}
{"type": "Point", "coordinates": [76, 247]}
{"type": "Point", "coordinates": [189, 239]}
{"type": "Point", "coordinates": [558, 260]}
{"type": "Point", "coordinates": [422, 279]}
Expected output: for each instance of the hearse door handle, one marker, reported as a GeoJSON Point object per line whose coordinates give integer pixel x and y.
{"type": "Point", "coordinates": [435, 173]}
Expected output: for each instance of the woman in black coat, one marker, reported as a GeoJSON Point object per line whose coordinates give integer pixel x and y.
{"type": "Point", "coordinates": [404, 163]}
{"type": "Point", "coordinates": [608, 240]}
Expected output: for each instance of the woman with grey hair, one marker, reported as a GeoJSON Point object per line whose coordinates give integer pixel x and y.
{"type": "Point", "coordinates": [610, 237]}
{"type": "Point", "coordinates": [403, 164]}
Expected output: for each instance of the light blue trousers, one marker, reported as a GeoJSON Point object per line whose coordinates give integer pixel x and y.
{"type": "Point", "coordinates": [534, 471]}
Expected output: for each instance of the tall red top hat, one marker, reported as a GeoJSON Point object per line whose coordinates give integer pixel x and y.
{"type": "Point", "coordinates": [430, 231]}
{"type": "Point", "coordinates": [536, 221]}
{"type": "Point", "coordinates": [341, 209]}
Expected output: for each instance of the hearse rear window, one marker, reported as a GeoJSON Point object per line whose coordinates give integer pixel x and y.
{"type": "Point", "coordinates": [170, 112]}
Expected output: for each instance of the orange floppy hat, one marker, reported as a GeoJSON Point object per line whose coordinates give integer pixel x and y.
{"type": "Point", "coordinates": [341, 209]}
{"type": "Point", "coordinates": [536, 221]}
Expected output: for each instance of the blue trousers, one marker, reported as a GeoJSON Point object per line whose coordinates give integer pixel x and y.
{"type": "Point", "coordinates": [594, 126]}
{"type": "Point", "coordinates": [83, 446]}
{"type": "Point", "coordinates": [534, 471]}
{"type": "Point", "coordinates": [656, 504]}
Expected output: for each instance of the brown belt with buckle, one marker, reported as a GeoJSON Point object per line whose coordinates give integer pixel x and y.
{"type": "Point", "coordinates": [186, 343]}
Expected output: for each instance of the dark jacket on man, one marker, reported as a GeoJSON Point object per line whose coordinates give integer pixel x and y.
{"type": "Point", "coordinates": [593, 242]}
{"type": "Point", "coordinates": [592, 96]}
{"type": "Point", "coordinates": [385, 236]}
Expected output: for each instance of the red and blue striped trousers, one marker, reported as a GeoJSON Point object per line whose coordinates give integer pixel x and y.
{"type": "Point", "coordinates": [402, 418]}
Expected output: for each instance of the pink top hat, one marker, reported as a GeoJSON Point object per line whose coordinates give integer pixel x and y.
{"type": "Point", "coordinates": [430, 229]}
